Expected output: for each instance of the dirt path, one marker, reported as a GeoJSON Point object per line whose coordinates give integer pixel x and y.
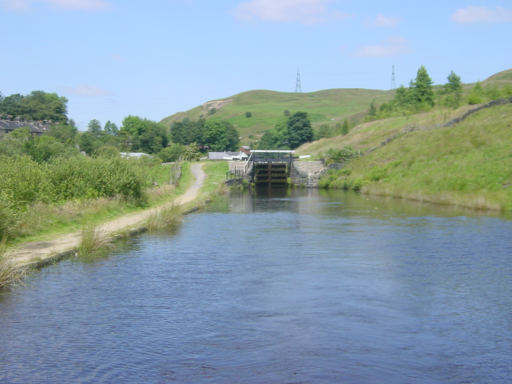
{"type": "Point", "coordinates": [46, 251]}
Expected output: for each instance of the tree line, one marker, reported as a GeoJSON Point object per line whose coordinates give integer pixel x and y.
{"type": "Point", "coordinates": [289, 133]}
{"type": "Point", "coordinates": [37, 106]}
{"type": "Point", "coordinates": [421, 95]}
{"type": "Point", "coordinates": [186, 139]}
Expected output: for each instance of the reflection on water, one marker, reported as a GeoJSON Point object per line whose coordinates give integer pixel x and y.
{"type": "Point", "coordinates": [299, 286]}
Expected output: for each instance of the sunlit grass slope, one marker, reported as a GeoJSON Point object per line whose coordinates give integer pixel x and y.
{"type": "Point", "coordinates": [267, 108]}
{"type": "Point", "coordinates": [469, 164]}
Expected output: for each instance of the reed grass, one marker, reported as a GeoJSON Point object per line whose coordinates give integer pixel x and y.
{"type": "Point", "coordinates": [10, 273]}
{"type": "Point", "coordinates": [93, 245]}
{"type": "Point", "coordinates": [166, 219]}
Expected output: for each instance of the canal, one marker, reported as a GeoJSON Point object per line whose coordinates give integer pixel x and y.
{"type": "Point", "coordinates": [289, 287]}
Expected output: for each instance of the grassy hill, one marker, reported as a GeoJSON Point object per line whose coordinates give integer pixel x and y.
{"type": "Point", "coordinates": [417, 157]}
{"type": "Point", "coordinates": [267, 108]}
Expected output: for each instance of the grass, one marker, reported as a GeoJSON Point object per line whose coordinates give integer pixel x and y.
{"type": "Point", "coordinates": [267, 108]}
{"type": "Point", "coordinates": [369, 135]}
{"type": "Point", "coordinates": [469, 164]}
{"type": "Point", "coordinates": [93, 244]}
{"type": "Point", "coordinates": [43, 221]}
{"type": "Point", "coordinates": [167, 219]}
{"type": "Point", "coordinates": [324, 107]}
{"type": "Point", "coordinates": [10, 274]}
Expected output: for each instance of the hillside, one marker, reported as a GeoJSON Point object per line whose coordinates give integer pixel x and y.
{"type": "Point", "coordinates": [267, 108]}
{"type": "Point", "coordinates": [468, 164]}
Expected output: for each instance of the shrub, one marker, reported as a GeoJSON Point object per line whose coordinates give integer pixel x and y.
{"type": "Point", "coordinates": [171, 153]}
{"type": "Point", "coordinates": [340, 155]}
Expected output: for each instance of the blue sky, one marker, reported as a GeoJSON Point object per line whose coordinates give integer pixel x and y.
{"type": "Point", "coordinates": [112, 58]}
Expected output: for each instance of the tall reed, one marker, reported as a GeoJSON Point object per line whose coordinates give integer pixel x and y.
{"type": "Point", "coordinates": [166, 219]}
{"type": "Point", "coordinates": [94, 244]}
{"type": "Point", "coordinates": [10, 274]}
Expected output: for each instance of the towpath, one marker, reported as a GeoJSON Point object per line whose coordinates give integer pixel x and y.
{"type": "Point", "coordinates": [41, 252]}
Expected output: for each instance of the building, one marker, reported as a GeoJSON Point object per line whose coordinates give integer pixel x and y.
{"type": "Point", "coordinates": [36, 127]}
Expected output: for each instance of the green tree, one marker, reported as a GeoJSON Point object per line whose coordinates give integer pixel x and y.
{"type": "Point", "coordinates": [220, 136]}
{"type": "Point", "coordinates": [11, 106]}
{"type": "Point", "coordinates": [187, 131]}
{"type": "Point", "coordinates": [89, 143]}
{"type": "Point", "coordinates": [299, 129]}
{"type": "Point", "coordinates": [66, 133]}
{"type": "Point", "coordinates": [40, 105]}
{"type": "Point", "coordinates": [94, 127]}
{"type": "Point", "coordinates": [345, 128]}
{"type": "Point", "coordinates": [453, 90]}
{"type": "Point", "coordinates": [110, 128]}
{"type": "Point", "coordinates": [145, 135]}
{"type": "Point", "coordinates": [422, 88]}
{"type": "Point", "coordinates": [372, 112]}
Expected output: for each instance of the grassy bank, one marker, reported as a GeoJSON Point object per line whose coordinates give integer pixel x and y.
{"type": "Point", "coordinates": [43, 221]}
{"type": "Point", "coordinates": [169, 219]}
{"type": "Point", "coordinates": [469, 164]}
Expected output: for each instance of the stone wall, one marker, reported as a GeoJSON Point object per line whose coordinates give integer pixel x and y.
{"type": "Point", "coordinates": [307, 173]}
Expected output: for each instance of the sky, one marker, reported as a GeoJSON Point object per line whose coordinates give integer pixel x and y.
{"type": "Point", "coordinates": [113, 58]}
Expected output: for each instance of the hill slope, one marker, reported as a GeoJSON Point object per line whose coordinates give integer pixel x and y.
{"type": "Point", "coordinates": [468, 164]}
{"type": "Point", "coordinates": [267, 108]}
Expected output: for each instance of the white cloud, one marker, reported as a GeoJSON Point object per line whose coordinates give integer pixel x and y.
{"type": "Point", "coordinates": [302, 11]}
{"type": "Point", "coordinates": [382, 21]}
{"type": "Point", "coordinates": [81, 5]}
{"type": "Point", "coordinates": [393, 46]}
{"type": "Point", "coordinates": [86, 91]}
{"type": "Point", "coordinates": [472, 15]}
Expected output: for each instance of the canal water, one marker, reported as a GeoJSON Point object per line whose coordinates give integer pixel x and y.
{"type": "Point", "coordinates": [294, 287]}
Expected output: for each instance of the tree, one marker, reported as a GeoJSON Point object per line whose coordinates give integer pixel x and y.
{"type": "Point", "coordinates": [453, 90]}
{"type": "Point", "coordinates": [422, 88]}
{"type": "Point", "coordinates": [40, 105]}
{"type": "Point", "coordinates": [65, 133]}
{"type": "Point", "coordinates": [220, 136]}
{"type": "Point", "coordinates": [299, 129]}
{"type": "Point", "coordinates": [111, 128]}
{"type": "Point", "coordinates": [187, 131]}
{"type": "Point", "coordinates": [275, 138]}
{"type": "Point", "coordinates": [94, 127]}
{"type": "Point", "coordinates": [145, 135]}
{"type": "Point", "coordinates": [89, 143]}
{"type": "Point", "coordinates": [345, 128]}
{"type": "Point", "coordinates": [372, 111]}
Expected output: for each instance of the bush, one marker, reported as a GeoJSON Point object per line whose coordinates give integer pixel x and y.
{"type": "Point", "coordinates": [23, 182]}
{"type": "Point", "coordinates": [340, 155]}
{"type": "Point", "coordinates": [108, 151]}
{"type": "Point", "coordinates": [171, 153]}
